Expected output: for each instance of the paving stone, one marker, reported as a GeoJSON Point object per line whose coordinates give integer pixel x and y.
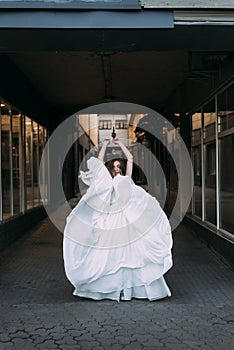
{"type": "Point", "coordinates": [38, 339]}
{"type": "Point", "coordinates": [122, 340]}
{"type": "Point", "coordinates": [144, 337]}
{"type": "Point", "coordinates": [57, 336]}
{"type": "Point", "coordinates": [4, 338]}
{"type": "Point", "coordinates": [67, 340]}
{"type": "Point", "coordinates": [22, 343]}
{"type": "Point", "coordinates": [156, 342]}
{"type": "Point", "coordinates": [76, 333]}
{"type": "Point", "coordinates": [117, 347]}
{"type": "Point", "coordinates": [70, 347]}
{"type": "Point", "coordinates": [20, 334]}
{"type": "Point", "coordinates": [206, 347]}
{"type": "Point", "coordinates": [89, 345]}
{"type": "Point", "coordinates": [95, 331]}
{"type": "Point", "coordinates": [48, 344]}
{"type": "Point", "coordinates": [39, 332]}
{"type": "Point", "coordinates": [178, 347]}
{"type": "Point", "coordinates": [6, 346]}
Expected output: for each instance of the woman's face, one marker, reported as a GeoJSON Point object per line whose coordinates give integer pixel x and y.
{"type": "Point", "coordinates": [116, 168]}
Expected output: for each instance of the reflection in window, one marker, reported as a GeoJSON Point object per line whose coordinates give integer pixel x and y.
{"type": "Point", "coordinates": [226, 109]}
{"type": "Point", "coordinates": [196, 127]}
{"type": "Point", "coordinates": [29, 163]}
{"type": "Point", "coordinates": [40, 148]}
{"type": "Point", "coordinates": [44, 186]}
{"type": "Point", "coordinates": [196, 158]}
{"type": "Point", "coordinates": [209, 119]}
{"type": "Point", "coordinates": [197, 195]}
{"type": "Point", "coordinates": [227, 183]}
{"type": "Point", "coordinates": [214, 182]}
{"type": "Point", "coordinates": [35, 164]}
{"type": "Point", "coordinates": [22, 145]}
{"type": "Point", "coordinates": [6, 161]}
{"type": "Point", "coordinates": [210, 182]}
{"type": "Point", "coordinates": [16, 166]}
{"type": "Point", "coordinates": [209, 122]}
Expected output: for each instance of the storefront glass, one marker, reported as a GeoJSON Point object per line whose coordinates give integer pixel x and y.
{"type": "Point", "coordinates": [197, 163]}
{"type": "Point", "coordinates": [212, 156]}
{"type": "Point", "coordinates": [6, 160]}
{"type": "Point", "coordinates": [29, 162]}
{"type": "Point", "coordinates": [209, 115]}
{"type": "Point", "coordinates": [22, 144]}
{"type": "Point", "coordinates": [16, 164]}
{"type": "Point", "coordinates": [35, 163]}
{"type": "Point", "coordinates": [227, 183]}
{"type": "Point", "coordinates": [226, 168]}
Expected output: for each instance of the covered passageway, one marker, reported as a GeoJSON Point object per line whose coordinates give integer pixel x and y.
{"type": "Point", "coordinates": [162, 74]}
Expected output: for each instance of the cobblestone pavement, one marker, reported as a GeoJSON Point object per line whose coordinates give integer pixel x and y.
{"type": "Point", "coordinates": [38, 310]}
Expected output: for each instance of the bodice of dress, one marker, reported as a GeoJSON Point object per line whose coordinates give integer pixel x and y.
{"type": "Point", "coordinates": [105, 193]}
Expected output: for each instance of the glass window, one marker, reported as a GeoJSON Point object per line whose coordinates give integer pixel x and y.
{"type": "Point", "coordinates": [6, 160]}
{"type": "Point", "coordinates": [209, 115]}
{"type": "Point", "coordinates": [44, 166]}
{"type": "Point", "coordinates": [121, 124]}
{"type": "Point", "coordinates": [210, 182]}
{"type": "Point", "coordinates": [227, 183]}
{"type": "Point", "coordinates": [22, 144]}
{"type": "Point", "coordinates": [210, 177]}
{"type": "Point", "coordinates": [29, 162]}
{"type": "Point", "coordinates": [226, 109]}
{"type": "Point", "coordinates": [16, 165]}
{"type": "Point", "coordinates": [197, 165]}
{"type": "Point", "coordinates": [197, 194]}
{"type": "Point", "coordinates": [196, 128]}
{"type": "Point", "coordinates": [35, 164]}
{"type": "Point", "coordinates": [105, 124]}
{"type": "Point", "coordinates": [40, 150]}
{"type": "Point", "coordinates": [226, 153]}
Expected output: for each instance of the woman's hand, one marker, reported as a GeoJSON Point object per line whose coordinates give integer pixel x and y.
{"type": "Point", "coordinates": [116, 141]}
{"type": "Point", "coordinates": [106, 141]}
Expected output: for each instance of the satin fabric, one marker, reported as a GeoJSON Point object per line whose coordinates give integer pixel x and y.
{"type": "Point", "coordinates": [117, 240]}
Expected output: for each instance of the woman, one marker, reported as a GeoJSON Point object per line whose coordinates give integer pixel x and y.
{"type": "Point", "coordinates": [117, 240]}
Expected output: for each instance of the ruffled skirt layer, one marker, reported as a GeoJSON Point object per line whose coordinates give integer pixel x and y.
{"type": "Point", "coordinates": [156, 290]}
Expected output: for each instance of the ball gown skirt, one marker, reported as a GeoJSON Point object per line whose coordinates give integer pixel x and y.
{"type": "Point", "coordinates": [117, 240]}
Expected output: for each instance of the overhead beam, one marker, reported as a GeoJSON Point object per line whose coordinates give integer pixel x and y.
{"type": "Point", "coordinates": [85, 19]}
{"type": "Point", "coordinates": [188, 38]}
{"type": "Point", "coordinates": [72, 4]}
{"type": "Point", "coordinates": [188, 4]}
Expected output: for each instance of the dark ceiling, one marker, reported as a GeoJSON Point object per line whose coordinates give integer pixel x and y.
{"type": "Point", "coordinates": [169, 70]}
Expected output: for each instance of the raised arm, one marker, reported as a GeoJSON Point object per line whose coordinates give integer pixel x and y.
{"type": "Point", "coordinates": [103, 150]}
{"type": "Point", "coordinates": [128, 156]}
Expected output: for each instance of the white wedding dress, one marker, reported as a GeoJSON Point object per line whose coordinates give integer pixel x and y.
{"type": "Point", "coordinates": [117, 240]}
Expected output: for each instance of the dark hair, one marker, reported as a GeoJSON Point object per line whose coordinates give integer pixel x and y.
{"type": "Point", "coordinates": [110, 166]}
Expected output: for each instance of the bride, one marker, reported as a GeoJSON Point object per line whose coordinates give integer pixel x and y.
{"type": "Point", "coordinates": [117, 240]}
